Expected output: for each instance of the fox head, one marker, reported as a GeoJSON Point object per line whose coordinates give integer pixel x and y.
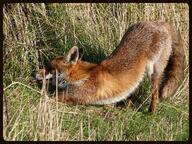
{"type": "Point", "coordinates": [66, 70]}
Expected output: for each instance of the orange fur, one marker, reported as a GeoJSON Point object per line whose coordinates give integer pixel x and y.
{"type": "Point", "coordinates": [146, 46]}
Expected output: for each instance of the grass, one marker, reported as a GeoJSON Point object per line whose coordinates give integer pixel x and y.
{"type": "Point", "coordinates": [98, 28]}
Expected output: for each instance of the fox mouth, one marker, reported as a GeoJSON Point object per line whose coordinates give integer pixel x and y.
{"type": "Point", "coordinates": [47, 77]}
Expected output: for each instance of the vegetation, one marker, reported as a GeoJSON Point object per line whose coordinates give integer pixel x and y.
{"type": "Point", "coordinates": [29, 114]}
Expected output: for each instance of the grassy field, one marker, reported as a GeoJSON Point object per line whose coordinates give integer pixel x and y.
{"type": "Point", "coordinates": [98, 28]}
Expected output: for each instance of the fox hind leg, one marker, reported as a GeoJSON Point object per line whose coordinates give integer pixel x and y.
{"type": "Point", "coordinates": [155, 79]}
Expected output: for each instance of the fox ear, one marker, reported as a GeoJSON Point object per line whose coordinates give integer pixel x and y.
{"type": "Point", "coordinates": [73, 55]}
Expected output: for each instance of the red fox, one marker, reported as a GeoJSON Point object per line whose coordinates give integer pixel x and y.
{"type": "Point", "coordinates": [153, 47]}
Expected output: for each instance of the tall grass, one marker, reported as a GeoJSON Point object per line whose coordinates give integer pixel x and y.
{"type": "Point", "coordinates": [98, 28]}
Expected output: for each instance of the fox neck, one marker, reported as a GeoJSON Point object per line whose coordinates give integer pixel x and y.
{"type": "Point", "coordinates": [81, 72]}
{"type": "Point", "coordinates": [85, 65]}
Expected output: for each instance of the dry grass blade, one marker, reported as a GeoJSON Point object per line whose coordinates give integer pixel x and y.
{"type": "Point", "coordinates": [81, 132]}
{"type": "Point", "coordinates": [19, 83]}
{"type": "Point", "coordinates": [6, 110]}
